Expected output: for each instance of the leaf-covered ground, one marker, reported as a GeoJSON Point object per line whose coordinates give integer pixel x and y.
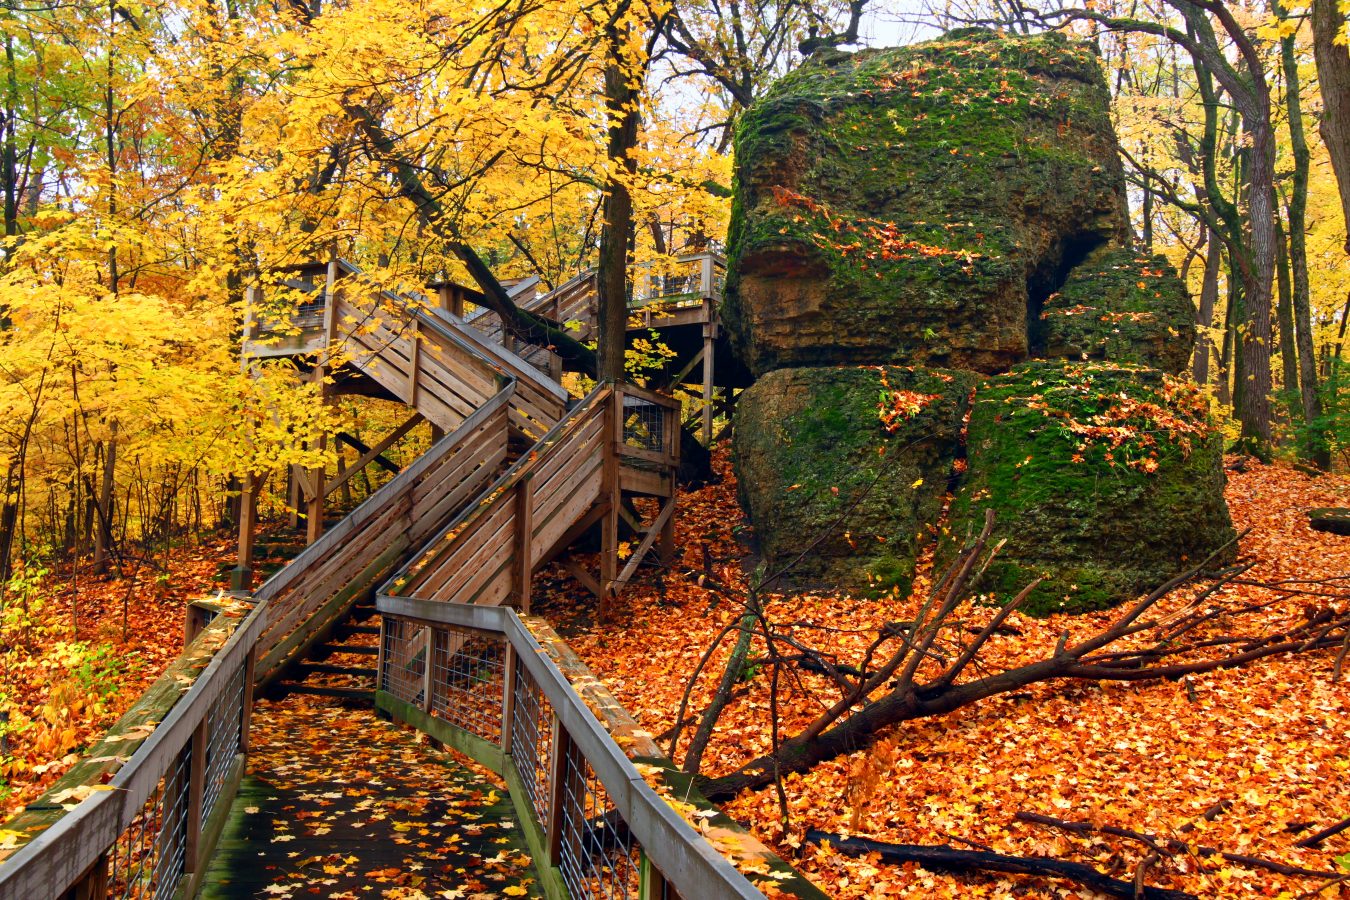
{"type": "Point", "coordinates": [82, 652]}
{"type": "Point", "coordinates": [1268, 741]}
{"type": "Point", "coordinates": [340, 804]}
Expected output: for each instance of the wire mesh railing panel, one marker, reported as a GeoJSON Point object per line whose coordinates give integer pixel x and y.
{"type": "Point", "coordinates": [222, 740]}
{"type": "Point", "coordinates": [532, 741]}
{"type": "Point", "coordinates": [149, 859]}
{"type": "Point", "coordinates": [467, 680]}
{"type": "Point", "coordinates": [404, 655]}
{"type": "Point", "coordinates": [597, 855]}
{"type": "Point", "coordinates": [644, 424]}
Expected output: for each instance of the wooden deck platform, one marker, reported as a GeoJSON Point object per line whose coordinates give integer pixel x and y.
{"type": "Point", "coordinates": [338, 801]}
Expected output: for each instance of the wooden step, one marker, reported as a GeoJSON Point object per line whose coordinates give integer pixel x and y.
{"type": "Point", "coordinates": [330, 649]}
{"type": "Point", "coordinates": [318, 691]}
{"type": "Point", "coordinates": [310, 668]}
{"type": "Point", "coordinates": [358, 629]}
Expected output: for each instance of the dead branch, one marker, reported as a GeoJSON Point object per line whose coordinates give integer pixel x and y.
{"type": "Point", "coordinates": [938, 857]}
{"type": "Point", "coordinates": [1313, 840]}
{"type": "Point", "coordinates": [1170, 846]}
{"type": "Point", "coordinates": [893, 691]}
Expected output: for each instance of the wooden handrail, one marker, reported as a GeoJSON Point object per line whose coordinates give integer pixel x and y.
{"type": "Point", "coordinates": [688, 861]}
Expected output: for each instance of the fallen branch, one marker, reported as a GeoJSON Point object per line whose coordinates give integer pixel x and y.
{"type": "Point", "coordinates": [1313, 840]}
{"type": "Point", "coordinates": [1171, 845]}
{"type": "Point", "coordinates": [939, 857]}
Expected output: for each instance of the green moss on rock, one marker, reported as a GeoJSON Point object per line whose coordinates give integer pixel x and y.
{"type": "Point", "coordinates": [1104, 481]}
{"type": "Point", "coordinates": [897, 205]}
{"type": "Point", "coordinates": [819, 466]}
{"type": "Point", "coordinates": [1122, 306]}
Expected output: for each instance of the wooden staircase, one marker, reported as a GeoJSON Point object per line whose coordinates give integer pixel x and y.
{"type": "Point", "coordinates": [516, 478]}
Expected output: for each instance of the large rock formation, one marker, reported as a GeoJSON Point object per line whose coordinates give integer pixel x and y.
{"type": "Point", "coordinates": [959, 205]}
{"type": "Point", "coordinates": [846, 467]}
{"type": "Point", "coordinates": [917, 205]}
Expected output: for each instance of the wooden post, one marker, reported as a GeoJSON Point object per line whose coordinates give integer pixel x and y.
{"type": "Point", "coordinates": [196, 790]}
{"type": "Point", "coordinates": [706, 276]}
{"type": "Point", "coordinates": [671, 426]}
{"type": "Point", "coordinates": [429, 643]}
{"type": "Point", "coordinates": [508, 696]}
{"type": "Point", "coordinates": [557, 779]}
{"type": "Point", "coordinates": [709, 336]}
{"type": "Point", "coordinates": [610, 492]}
{"type": "Point", "coordinates": [524, 556]}
{"type": "Point", "coordinates": [379, 656]}
{"type": "Point", "coordinates": [415, 365]}
{"type": "Point", "coordinates": [241, 577]}
{"type": "Point", "coordinates": [293, 496]}
{"type": "Point", "coordinates": [93, 885]}
{"type": "Point", "coordinates": [246, 702]}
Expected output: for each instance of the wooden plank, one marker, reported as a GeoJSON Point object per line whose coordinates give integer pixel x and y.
{"type": "Point", "coordinates": [587, 488]}
{"type": "Point", "coordinates": [482, 554]}
{"type": "Point", "coordinates": [643, 481]}
{"type": "Point", "coordinates": [463, 551]}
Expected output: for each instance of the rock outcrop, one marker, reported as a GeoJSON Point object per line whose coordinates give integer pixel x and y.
{"type": "Point", "coordinates": [916, 205]}
{"type": "Point", "coordinates": [1105, 481]}
{"type": "Point", "coordinates": [847, 467]}
{"type": "Point", "coordinates": [907, 221]}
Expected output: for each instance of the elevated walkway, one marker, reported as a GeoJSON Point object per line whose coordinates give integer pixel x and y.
{"type": "Point", "coordinates": [448, 544]}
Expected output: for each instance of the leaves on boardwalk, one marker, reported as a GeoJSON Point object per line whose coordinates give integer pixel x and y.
{"type": "Point", "coordinates": [341, 804]}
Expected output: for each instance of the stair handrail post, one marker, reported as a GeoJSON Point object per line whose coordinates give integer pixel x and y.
{"type": "Point", "coordinates": [193, 851]}
{"type": "Point", "coordinates": [524, 537]}
{"type": "Point", "coordinates": [610, 491]}
{"type": "Point", "coordinates": [706, 275]}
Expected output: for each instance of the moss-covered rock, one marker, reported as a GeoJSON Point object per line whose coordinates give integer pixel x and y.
{"type": "Point", "coordinates": [849, 465]}
{"type": "Point", "coordinates": [1105, 480]}
{"type": "Point", "coordinates": [1122, 306]}
{"type": "Point", "coordinates": [907, 205]}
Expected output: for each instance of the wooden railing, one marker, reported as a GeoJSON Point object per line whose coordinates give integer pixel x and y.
{"type": "Point", "coordinates": [318, 586]}
{"type": "Point", "coordinates": [488, 553]}
{"type": "Point", "coordinates": [618, 438]}
{"type": "Point", "coordinates": [603, 813]}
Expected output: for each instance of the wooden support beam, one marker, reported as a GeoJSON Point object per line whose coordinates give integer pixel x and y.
{"type": "Point", "coordinates": [679, 377]}
{"type": "Point", "coordinates": [610, 491]}
{"type": "Point", "coordinates": [658, 526]}
{"type": "Point", "coordinates": [577, 571]}
{"type": "Point", "coordinates": [709, 336]}
{"type": "Point", "coordinates": [415, 365]}
{"type": "Point", "coordinates": [371, 454]}
{"type": "Point", "coordinates": [241, 578]}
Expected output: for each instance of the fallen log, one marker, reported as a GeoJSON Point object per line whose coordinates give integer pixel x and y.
{"type": "Point", "coordinates": [1332, 520]}
{"type": "Point", "coordinates": [951, 859]}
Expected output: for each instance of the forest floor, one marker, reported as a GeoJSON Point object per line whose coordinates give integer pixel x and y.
{"type": "Point", "coordinates": [79, 650]}
{"type": "Point", "coordinates": [1269, 741]}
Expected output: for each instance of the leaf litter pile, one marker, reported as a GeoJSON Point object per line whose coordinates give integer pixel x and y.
{"type": "Point", "coordinates": [1187, 780]}
{"type": "Point", "coordinates": [340, 804]}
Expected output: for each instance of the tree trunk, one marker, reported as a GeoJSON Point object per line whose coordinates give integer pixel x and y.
{"type": "Point", "coordinates": [1314, 448]}
{"type": "Point", "coordinates": [1333, 75]}
{"type": "Point", "coordinates": [1284, 314]}
{"type": "Point", "coordinates": [621, 103]}
{"type": "Point", "coordinates": [1209, 296]}
{"type": "Point", "coordinates": [1254, 410]}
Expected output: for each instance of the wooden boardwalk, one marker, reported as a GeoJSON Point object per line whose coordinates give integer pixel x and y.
{"type": "Point", "coordinates": [338, 803]}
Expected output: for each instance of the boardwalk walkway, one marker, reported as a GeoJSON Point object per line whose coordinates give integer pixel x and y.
{"type": "Point", "coordinates": [339, 801]}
